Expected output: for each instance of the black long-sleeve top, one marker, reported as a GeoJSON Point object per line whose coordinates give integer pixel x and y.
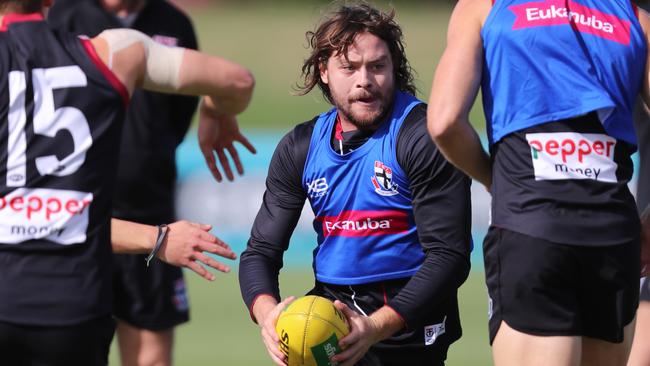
{"type": "Point", "coordinates": [441, 206]}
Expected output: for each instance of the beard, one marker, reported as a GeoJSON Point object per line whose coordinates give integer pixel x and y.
{"type": "Point", "coordinates": [363, 117]}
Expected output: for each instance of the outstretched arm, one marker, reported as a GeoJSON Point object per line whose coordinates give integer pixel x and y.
{"type": "Point", "coordinates": [184, 244]}
{"type": "Point", "coordinates": [140, 62]}
{"type": "Point", "coordinates": [455, 86]}
{"type": "Point", "coordinates": [226, 87]}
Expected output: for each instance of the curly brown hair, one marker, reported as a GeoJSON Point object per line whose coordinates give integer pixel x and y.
{"type": "Point", "coordinates": [337, 33]}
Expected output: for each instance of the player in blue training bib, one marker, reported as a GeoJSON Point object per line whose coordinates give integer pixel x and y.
{"type": "Point", "coordinates": [392, 216]}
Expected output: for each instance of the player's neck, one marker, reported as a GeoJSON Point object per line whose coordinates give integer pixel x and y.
{"type": "Point", "coordinates": [346, 125]}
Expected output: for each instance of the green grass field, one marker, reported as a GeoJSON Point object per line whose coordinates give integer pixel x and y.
{"type": "Point", "coordinates": [270, 41]}
{"type": "Point", "coordinates": [221, 332]}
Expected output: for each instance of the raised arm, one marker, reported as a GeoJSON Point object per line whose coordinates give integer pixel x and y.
{"type": "Point", "coordinates": [182, 244]}
{"type": "Point", "coordinates": [455, 86]}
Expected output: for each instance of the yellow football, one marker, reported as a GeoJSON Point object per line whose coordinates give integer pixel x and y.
{"type": "Point", "coordinates": [310, 329]}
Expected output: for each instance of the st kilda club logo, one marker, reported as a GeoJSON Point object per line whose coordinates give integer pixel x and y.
{"type": "Point", "coordinates": [383, 180]}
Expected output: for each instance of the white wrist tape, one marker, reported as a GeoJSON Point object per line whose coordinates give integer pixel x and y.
{"type": "Point", "coordinates": [163, 62]}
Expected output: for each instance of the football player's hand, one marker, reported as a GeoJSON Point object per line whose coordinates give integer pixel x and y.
{"type": "Point", "coordinates": [363, 334]}
{"type": "Point", "coordinates": [217, 134]}
{"type": "Point", "coordinates": [185, 244]}
{"type": "Point", "coordinates": [270, 336]}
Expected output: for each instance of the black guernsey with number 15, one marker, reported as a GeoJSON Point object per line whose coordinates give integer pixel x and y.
{"type": "Point", "coordinates": [57, 169]}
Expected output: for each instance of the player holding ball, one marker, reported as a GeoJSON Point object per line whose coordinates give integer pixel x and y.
{"type": "Point", "coordinates": [370, 173]}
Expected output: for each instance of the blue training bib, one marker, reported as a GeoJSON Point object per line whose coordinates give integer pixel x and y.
{"type": "Point", "coordinates": [551, 60]}
{"type": "Point", "coordinates": [362, 203]}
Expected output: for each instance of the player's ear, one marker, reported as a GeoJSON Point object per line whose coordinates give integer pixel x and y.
{"type": "Point", "coordinates": [322, 68]}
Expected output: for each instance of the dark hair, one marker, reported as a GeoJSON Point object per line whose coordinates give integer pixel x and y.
{"type": "Point", "coordinates": [22, 6]}
{"type": "Point", "coordinates": [337, 32]}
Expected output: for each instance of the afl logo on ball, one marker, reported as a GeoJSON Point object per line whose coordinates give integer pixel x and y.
{"type": "Point", "coordinates": [383, 180]}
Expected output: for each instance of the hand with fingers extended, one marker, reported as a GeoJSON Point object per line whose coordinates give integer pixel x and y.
{"type": "Point", "coordinates": [267, 311]}
{"type": "Point", "coordinates": [185, 246]}
{"type": "Point", "coordinates": [217, 134]}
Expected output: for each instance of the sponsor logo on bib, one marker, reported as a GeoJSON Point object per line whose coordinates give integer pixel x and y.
{"type": "Point", "coordinates": [364, 223]}
{"type": "Point", "coordinates": [570, 155]}
{"type": "Point", "coordinates": [57, 215]}
{"type": "Point", "coordinates": [317, 188]}
{"type": "Point", "coordinates": [582, 18]}
{"type": "Point", "coordinates": [383, 180]}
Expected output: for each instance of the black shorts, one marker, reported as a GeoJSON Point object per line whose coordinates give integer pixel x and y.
{"type": "Point", "coordinates": [419, 345]}
{"type": "Point", "coordinates": [152, 298]}
{"type": "Point", "coordinates": [84, 344]}
{"type": "Point", "coordinates": [544, 288]}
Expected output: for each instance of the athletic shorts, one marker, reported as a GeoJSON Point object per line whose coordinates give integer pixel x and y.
{"type": "Point", "coordinates": [152, 298]}
{"type": "Point", "coordinates": [420, 345]}
{"type": "Point", "coordinates": [84, 344]}
{"type": "Point", "coordinates": [543, 288]}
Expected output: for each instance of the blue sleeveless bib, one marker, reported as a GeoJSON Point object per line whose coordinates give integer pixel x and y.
{"type": "Point", "coordinates": [362, 203]}
{"type": "Point", "coordinates": [557, 59]}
